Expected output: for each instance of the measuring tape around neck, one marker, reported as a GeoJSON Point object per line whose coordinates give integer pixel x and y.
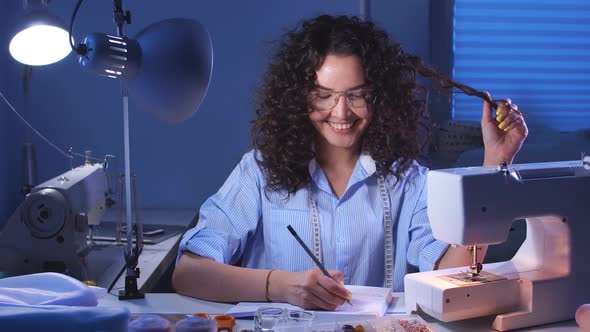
{"type": "Point", "coordinates": [387, 225]}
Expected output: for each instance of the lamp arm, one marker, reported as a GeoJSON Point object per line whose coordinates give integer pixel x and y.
{"type": "Point", "coordinates": [120, 16]}
{"type": "Point", "coordinates": [81, 49]}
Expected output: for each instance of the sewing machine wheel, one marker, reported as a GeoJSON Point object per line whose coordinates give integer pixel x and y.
{"type": "Point", "coordinates": [44, 213]}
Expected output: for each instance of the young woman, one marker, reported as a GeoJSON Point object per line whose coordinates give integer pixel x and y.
{"type": "Point", "coordinates": [335, 143]}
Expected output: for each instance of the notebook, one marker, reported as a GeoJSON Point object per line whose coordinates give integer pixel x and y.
{"type": "Point", "coordinates": [366, 302]}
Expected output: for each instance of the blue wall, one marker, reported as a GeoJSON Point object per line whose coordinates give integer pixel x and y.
{"type": "Point", "coordinates": [178, 166]}
{"type": "Point", "coordinates": [10, 136]}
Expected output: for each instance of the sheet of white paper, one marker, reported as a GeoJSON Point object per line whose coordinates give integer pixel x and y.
{"type": "Point", "coordinates": [366, 301]}
{"type": "Point", "coordinates": [397, 305]}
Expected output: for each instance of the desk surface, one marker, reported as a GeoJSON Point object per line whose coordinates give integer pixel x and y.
{"type": "Point", "coordinates": [106, 259]}
{"type": "Point", "coordinates": [165, 303]}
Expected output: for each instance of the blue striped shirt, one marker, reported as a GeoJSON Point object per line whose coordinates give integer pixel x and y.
{"type": "Point", "coordinates": [244, 223]}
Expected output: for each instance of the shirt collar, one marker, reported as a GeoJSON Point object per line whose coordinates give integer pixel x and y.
{"type": "Point", "coordinates": [366, 162]}
{"type": "Point", "coordinates": [365, 167]}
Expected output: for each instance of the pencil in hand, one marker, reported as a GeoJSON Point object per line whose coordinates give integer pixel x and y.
{"type": "Point", "coordinates": [349, 297]}
{"type": "Point", "coordinates": [315, 260]}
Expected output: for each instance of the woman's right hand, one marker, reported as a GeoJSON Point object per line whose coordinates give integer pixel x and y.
{"type": "Point", "coordinates": [310, 289]}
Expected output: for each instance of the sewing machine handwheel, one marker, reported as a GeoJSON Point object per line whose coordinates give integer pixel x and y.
{"type": "Point", "coordinates": [44, 213]}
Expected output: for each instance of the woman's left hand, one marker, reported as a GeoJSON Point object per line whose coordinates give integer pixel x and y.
{"type": "Point", "coordinates": [504, 135]}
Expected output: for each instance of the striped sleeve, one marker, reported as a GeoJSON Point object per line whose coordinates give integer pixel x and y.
{"type": "Point", "coordinates": [424, 250]}
{"type": "Point", "coordinates": [228, 218]}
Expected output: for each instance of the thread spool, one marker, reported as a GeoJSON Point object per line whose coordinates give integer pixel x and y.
{"type": "Point", "coordinates": [196, 324]}
{"type": "Point", "coordinates": [149, 323]}
{"type": "Point", "coordinates": [583, 317]}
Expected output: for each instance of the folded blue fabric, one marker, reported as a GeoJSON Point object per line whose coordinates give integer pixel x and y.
{"type": "Point", "coordinates": [52, 318]}
{"type": "Point", "coordinates": [55, 302]}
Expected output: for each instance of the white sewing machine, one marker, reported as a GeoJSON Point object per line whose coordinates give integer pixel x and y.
{"type": "Point", "coordinates": [548, 278]}
{"type": "Point", "coordinates": [48, 231]}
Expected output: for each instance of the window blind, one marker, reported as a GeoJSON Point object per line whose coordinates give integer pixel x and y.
{"type": "Point", "coordinates": [537, 52]}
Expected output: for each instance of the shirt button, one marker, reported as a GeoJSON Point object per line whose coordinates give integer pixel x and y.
{"type": "Point", "coordinates": [341, 239]}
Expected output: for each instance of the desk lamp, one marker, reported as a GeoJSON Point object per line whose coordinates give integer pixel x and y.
{"type": "Point", "coordinates": [40, 38]}
{"type": "Point", "coordinates": [166, 68]}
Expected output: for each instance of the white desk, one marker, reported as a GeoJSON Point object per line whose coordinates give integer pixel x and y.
{"type": "Point", "coordinates": [106, 260]}
{"type": "Point", "coordinates": [178, 304]}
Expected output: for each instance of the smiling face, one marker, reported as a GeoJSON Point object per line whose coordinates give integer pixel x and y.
{"type": "Point", "coordinates": [341, 127]}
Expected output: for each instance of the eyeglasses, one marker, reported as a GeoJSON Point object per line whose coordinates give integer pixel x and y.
{"type": "Point", "coordinates": [326, 100]}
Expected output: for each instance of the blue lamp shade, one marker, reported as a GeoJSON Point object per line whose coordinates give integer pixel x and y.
{"type": "Point", "coordinates": [175, 69]}
{"type": "Point", "coordinates": [167, 66]}
{"type": "Point", "coordinates": [41, 39]}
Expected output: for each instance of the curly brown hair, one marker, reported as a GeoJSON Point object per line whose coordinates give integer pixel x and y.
{"type": "Point", "coordinates": [283, 135]}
